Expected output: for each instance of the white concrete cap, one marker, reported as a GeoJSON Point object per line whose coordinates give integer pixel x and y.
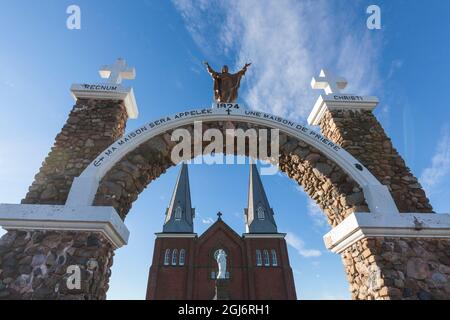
{"type": "Point", "coordinates": [104, 220]}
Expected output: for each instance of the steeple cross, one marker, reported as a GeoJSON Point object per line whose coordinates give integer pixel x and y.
{"type": "Point", "coordinates": [118, 71]}
{"type": "Point", "coordinates": [219, 215]}
{"type": "Point", "coordinates": [328, 82]}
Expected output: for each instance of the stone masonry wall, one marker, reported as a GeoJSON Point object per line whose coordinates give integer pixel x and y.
{"type": "Point", "coordinates": [91, 127]}
{"type": "Point", "coordinates": [336, 193]}
{"type": "Point", "coordinates": [360, 133]}
{"type": "Point", "coordinates": [389, 268]}
{"type": "Point", "coordinates": [33, 265]}
{"type": "Point", "coordinates": [398, 268]}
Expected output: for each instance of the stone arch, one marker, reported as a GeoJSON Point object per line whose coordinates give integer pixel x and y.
{"type": "Point", "coordinates": [329, 175]}
{"type": "Point", "coordinates": [322, 179]}
{"type": "Point", "coordinates": [376, 248]}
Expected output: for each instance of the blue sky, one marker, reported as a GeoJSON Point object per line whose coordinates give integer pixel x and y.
{"type": "Point", "coordinates": [405, 64]}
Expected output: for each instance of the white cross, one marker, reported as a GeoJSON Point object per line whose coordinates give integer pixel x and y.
{"type": "Point", "coordinates": [328, 82]}
{"type": "Point", "coordinates": [118, 71]}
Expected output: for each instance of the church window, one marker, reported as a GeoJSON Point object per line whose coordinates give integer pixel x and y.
{"type": "Point", "coordinates": [258, 258]}
{"type": "Point", "coordinates": [167, 257]}
{"type": "Point", "coordinates": [261, 213]}
{"type": "Point", "coordinates": [266, 258]}
{"type": "Point", "coordinates": [174, 257]}
{"type": "Point", "coordinates": [274, 258]}
{"type": "Point", "coordinates": [178, 212]}
{"type": "Point", "coordinates": [182, 257]}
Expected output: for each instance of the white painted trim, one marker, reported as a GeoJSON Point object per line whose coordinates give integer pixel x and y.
{"type": "Point", "coordinates": [334, 101]}
{"type": "Point", "coordinates": [58, 217]}
{"type": "Point", "coordinates": [85, 186]}
{"type": "Point", "coordinates": [402, 225]}
{"type": "Point", "coordinates": [107, 91]}
{"type": "Point", "coordinates": [175, 235]}
{"type": "Point", "coordinates": [263, 235]}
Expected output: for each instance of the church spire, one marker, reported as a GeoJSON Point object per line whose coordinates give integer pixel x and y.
{"type": "Point", "coordinates": [259, 214]}
{"type": "Point", "coordinates": [180, 214]}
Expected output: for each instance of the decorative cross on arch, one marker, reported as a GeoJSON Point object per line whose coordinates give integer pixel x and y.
{"type": "Point", "coordinates": [328, 82]}
{"type": "Point", "coordinates": [117, 71]}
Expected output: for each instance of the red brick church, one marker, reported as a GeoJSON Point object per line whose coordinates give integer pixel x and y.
{"type": "Point", "coordinates": [185, 266]}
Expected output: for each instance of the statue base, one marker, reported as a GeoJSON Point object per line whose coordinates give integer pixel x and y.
{"type": "Point", "coordinates": [221, 290]}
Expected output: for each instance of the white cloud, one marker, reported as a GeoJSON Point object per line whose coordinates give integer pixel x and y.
{"type": "Point", "coordinates": [287, 41]}
{"type": "Point", "coordinates": [395, 66]}
{"type": "Point", "coordinates": [314, 211]}
{"type": "Point", "coordinates": [316, 214]}
{"type": "Point", "coordinates": [207, 220]}
{"type": "Point", "coordinates": [440, 163]}
{"type": "Point", "coordinates": [294, 241]}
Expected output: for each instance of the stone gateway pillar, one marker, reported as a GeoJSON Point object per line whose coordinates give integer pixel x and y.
{"type": "Point", "coordinates": [35, 258]}
{"type": "Point", "coordinates": [395, 256]}
{"type": "Point", "coordinates": [92, 125]}
{"type": "Point", "coordinates": [360, 133]}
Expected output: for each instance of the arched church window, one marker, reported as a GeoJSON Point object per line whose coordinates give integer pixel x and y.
{"type": "Point", "coordinates": [182, 257]}
{"type": "Point", "coordinates": [266, 258]}
{"type": "Point", "coordinates": [167, 257]}
{"type": "Point", "coordinates": [174, 257]}
{"type": "Point", "coordinates": [258, 258]}
{"type": "Point", "coordinates": [274, 258]}
{"type": "Point", "coordinates": [178, 212]}
{"type": "Point", "coordinates": [261, 213]}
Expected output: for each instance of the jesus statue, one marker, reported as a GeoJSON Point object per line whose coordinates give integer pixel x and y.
{"type": "Point", "coordinates": [226, 84]}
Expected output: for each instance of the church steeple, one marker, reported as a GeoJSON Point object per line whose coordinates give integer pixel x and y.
{"type": "Point", "coordinates": [180, 214]}
{"type": "Point", "coordinates": [259, 214]}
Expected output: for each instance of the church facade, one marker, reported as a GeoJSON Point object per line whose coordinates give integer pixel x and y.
{"type": "Point", "coordinates": [185, 265]}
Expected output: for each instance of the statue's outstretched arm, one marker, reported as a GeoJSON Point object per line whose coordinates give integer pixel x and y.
{"type": "Point", "coordinates": [210, 70]}
{"type": "Point", "coordinates": [244, 69]}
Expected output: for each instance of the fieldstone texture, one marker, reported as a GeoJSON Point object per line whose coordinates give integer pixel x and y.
{"type": "Point", "coordinates": [398, 268]}
{"type": "Point", "coordinates": [34, 265]}
{"type": "Point", "coordinates": [91, 127]}
{"type": "Point", "coordinates": [336, 193]}
{"type": "Point", "coordinates": [360, 133]}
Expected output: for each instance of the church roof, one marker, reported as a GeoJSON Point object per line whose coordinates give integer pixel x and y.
{"type": "Point", "coordinates": [220, 224]}
{"type": "Point", "coordinates": [180, 214]}
{"type": "Point", "coordinates": [259, 214]}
